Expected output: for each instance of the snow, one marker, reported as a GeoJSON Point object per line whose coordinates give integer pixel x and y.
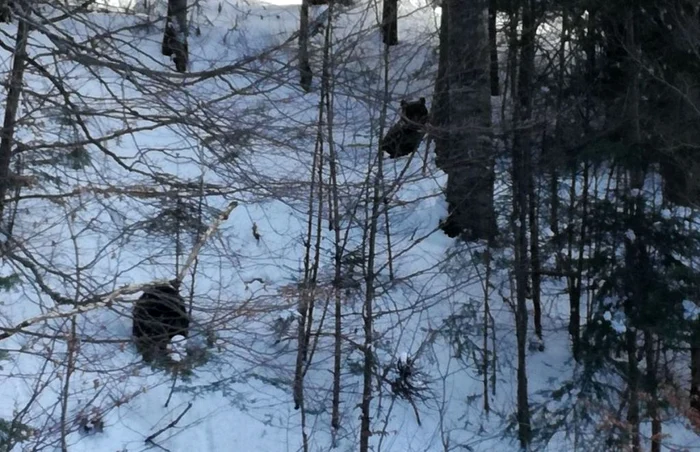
{"type": "Point", "coordinates": [240, 394]}
{"type": "Point", "coordinates": [691, 310]}
{"type": "Point", "coordinates": [177, 348]}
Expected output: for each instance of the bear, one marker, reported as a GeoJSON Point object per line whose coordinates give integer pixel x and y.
{"type": "Point", "coordinates": [6, 9]}
{"type": "Point", "coordinates": [405, 136]}
{"type": "Point", "coordinates": [159, 315]}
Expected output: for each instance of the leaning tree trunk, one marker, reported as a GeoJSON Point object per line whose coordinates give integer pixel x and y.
{"type": "Point", "coordinates": [14, 93]}
{"type": "Point", "coordinates": [469, 156]}
{"type": "Point", "coordinates": [390, 22]}
{"type": "Point", "coordinates": [175, 34]}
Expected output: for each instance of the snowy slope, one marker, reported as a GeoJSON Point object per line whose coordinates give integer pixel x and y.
{"type": "Point", "coordinates": [241, 399]}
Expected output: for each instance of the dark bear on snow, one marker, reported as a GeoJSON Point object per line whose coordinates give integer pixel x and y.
{"type": "Point", "coordinates": [159, 315]}
{"type": "Point", "coordinates": [405, 136]}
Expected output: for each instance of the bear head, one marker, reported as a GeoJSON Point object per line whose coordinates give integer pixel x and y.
{"type": "Point", "coordinates": [415, 111]}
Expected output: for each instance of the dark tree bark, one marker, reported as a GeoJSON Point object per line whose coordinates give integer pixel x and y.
{"type": "Point", "coordinates": [633, 389]}
{"type": "Point", "coordinates": [441, 100]}
{"type": "Point", "coordinates": [305, 74]}
{"type": "Point", "coordinates": [637, 291]}
{"type": "Point", "coordinates": [522, 179]}
{"type": "Point", "coordinates": [553, 156]}
{"type": "Point", "coordinates": [695, 369]}
{"type": "Point", "coordinates": [390, 22]}
{"type": "Point", "coordinates": [493, 48]}
{"type": "Point", "coordinates": [525, 88]}
{"type": "Point", "coordinates": [652, 386]}
{"type": "Point", "coordinates": [14, 93]}
{"type": "Point", "coordinates": [468, 158]}
{"type": "Point", "coordinates": [175, 34]}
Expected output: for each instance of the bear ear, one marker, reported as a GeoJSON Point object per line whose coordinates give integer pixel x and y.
{"type": "Point", "coordinates": [422, 100]}
{"type": "Point", "coordinates": [403, 102]}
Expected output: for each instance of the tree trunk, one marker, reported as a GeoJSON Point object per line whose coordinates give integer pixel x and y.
{"type": "Point", "coordinates": [305, 74]}
{"type": "Point", "coordinates": [535, 265]}
{"type": "Point", "coordinates": [632, 101]}
{"type": "Point", "coordinates": [653, 404]}
{"type": "Point", "coordinates": [521, 161]}
{"type": "Point", "coordinates": [633, 389]}
{"type": "Point", "coordinates": [554, 156]}
{"type": "Point", "coordinates": [14, 93]}
{"type": "Point", "coordinates": [695, 369]}
{"type": "Point", "coordinates": [175, 34]}
{"type": "Point", "coordinates": [525, 89]}
{"type": "Point", "coordinates": [441, 99]}
{"type": "Point", "coordinates": [636, 301]}
{"type": "Point", "coordinates": [469, 160]}
{"type": "Point", "coordinates": [493, 49]}
{"type": "Point", "coordinates": [390, 22]}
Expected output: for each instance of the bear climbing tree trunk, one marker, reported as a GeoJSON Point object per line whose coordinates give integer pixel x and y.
{"type": "Point", "coordinates": [6, 10]}
{"type": "Point", "coordinates": [175, 34]}
{"type": "Point", "coordinates": [390, 22]}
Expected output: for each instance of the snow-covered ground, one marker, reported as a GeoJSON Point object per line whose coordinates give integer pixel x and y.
{"type": "Point", "coordinates": [241, 397]}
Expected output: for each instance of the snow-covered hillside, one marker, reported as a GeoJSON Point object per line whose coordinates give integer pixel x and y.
{"type": "Point", "coordinates": [243, 128]}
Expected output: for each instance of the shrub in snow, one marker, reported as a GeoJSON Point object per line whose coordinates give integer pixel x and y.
{"type": "Point", "coordinates": [283, 323]}
{"type": "Point", "coordinates": [407, 381]}
{"type": "Point", "coordinates": [90, 423]}
{"type": "Point", "coordinates": [13, 432]}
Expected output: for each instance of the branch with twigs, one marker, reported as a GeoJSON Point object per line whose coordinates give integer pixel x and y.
{"type": "Point", "coordinates": [169, 426]}
{"type": "Point", "coordinates": [105, 300]}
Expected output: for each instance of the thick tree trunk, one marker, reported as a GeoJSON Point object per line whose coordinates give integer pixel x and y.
{"type": "Point", "coordinates": [305, 74]}
{"type": "Point", "coordinates": [468, 160]}
{"type": "Point", "coordinates": [175, 34]}
{"type": "Point", "coordinates": [14, 93]}
{"type": "Point", "coordinates": [390, 22]}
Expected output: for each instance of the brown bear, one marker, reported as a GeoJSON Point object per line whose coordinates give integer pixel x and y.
{"type": "Point", "coordinates": [405, 136]}
{"type": "Point", "coordinates": [159, 315]}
